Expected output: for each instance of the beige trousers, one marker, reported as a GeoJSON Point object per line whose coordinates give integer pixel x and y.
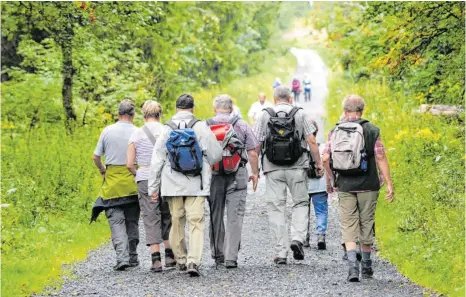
{"type": "Point", "coordinates": [191, 209]}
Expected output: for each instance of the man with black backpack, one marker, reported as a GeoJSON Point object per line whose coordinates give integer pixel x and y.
{"type": "Point", "coordinates": [285, 131]}
{"type": "Point", "coordinates": [180, 169]}
{"type": "Point", "coordinates": [229, 180]}
{"type": "Point", "coordinates": [354, 152]}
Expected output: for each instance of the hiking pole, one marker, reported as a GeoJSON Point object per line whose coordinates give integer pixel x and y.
{"type": "Point", "coordinates": [213, 233]}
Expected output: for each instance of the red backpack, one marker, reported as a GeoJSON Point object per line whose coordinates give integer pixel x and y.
{"type": "Point", "coordinates": [233, 147]}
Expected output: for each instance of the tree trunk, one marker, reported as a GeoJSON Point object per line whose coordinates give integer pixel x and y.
{"type": "Point", "coordinates": [68, 72]}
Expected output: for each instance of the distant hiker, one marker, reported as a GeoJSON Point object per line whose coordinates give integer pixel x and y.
{"type": "Point", "coordinates": [180, 172]}
{"type": "Point", "coordinates": [237, 112]}
{"type": "Point", "coordinates": [256, 108]}
{"type": "Point", "coordinates": [155, 214]}
{"type": "Point", "coordinates": [307, 89]}
{"type": "Point", "coordinates": [355, 151]}
{"type": "Point", "coordinates": [277, 82]}
{"type": "Point", "coordinates": [229, 180]}
{"type": "Point", "coordinates": [285, 131]}
{"type": "Point", "coordinates": [296, 89]}
{"type": "Point", "coordinates": [119, 194]}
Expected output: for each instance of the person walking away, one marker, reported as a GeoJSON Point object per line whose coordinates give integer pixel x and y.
{"type": "Point", "coordinates": [296, 89]}
{"type": "Point", "coordinates": [119, 195]}
{"type": "Point", "coordinates": [307, 89]}
{"type": "Point", "coordinates": [285, 131]}
{"type": "Point", "coordinates": [277, 82]}
{"type": "Point", "coordinates": [155, 214]}
{"type": "Point", "coordinates": [180, 171]}
{"type": "Point", "coordinates": [356, 152]}
{"type": "Point", "coordinates": [229, 180]}
{"type": "Point", "coordinates": [256, 108]}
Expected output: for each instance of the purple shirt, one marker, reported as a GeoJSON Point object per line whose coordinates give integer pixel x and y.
{"type": "Point", "coordinates": [242, 129]}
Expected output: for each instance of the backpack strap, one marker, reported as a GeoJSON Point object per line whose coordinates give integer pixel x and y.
{"type": "Point", "coordinates": [171, 124]}
{"type": "Point", "coordinates": [149, 134]}
{"type": "Point", "coordinates": [234, 120]}
{"type": "Point", "coordinates": [209, 122]}
{"type": "Point", "coordinates": [192, 123]}
{"type": "Point", "coordinates": [293, 111]}
{"type": "Point", "coordinates": [270, 111]}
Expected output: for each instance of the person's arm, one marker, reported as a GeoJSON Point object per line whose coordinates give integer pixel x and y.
{"type": "Point", "coordinates": [98, 152]}
{"type": "Point", "coordinates": [131, 158]}
{"type": "Point", "coordinates": [98, 163]}
{"type": "Point", "coordinates": [309, 130]}
{"type": "Point", "coordinates": [382, 164]}
{"type": "Point", "coordinates": [213, 151]}
{"type": "Point", "coordinates": [326, 161]}
{"type": "Point", "coordinates": [159, 156]}
{"type": "Point", "coordinates": [254, 162]}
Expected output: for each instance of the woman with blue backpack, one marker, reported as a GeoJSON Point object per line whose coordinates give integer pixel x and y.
{"type": "Point", "coordinates": [180, 172]}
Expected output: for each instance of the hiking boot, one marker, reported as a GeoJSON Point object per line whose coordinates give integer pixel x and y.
{"type": "Point", "coordinates": [231, 264]}
{"type": "Point", "coordinates": [156, 262]}
{"type": "Point", "coordinates": [121, 266]}
{"type": "Point", "coordinates": [321, 245]}
{"type": "Point", "coordinates": [366, 269]}
{"type": "Point", "coordinates": [353, 271]}
{"type": "Point", "coordinates": [193, 270]}
{"type": "Point", "coordinates": [279, 261]}
{"type": "Point", "coordinates": [133, 260]}
{"type": "Point", "coordinates": [181, 267]}
{"type": "Point", "coordinates": [306, 242]}
{"type": "Point", "coordinates": [170, 261]}
{"type": "Point", "coordinates": [297, 248]}
{"type": "Point", "coordinates": [220, 261]}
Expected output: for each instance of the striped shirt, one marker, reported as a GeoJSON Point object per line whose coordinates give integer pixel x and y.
{"type": "Point", "coordinates": [144, 148]}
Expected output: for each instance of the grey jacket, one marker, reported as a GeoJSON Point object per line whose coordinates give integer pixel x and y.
{"type": "Point", "coordinates": [175, 183]}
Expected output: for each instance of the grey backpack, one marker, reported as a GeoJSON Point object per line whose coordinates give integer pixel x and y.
{"type": "Point", "coordinates": [348, 152]}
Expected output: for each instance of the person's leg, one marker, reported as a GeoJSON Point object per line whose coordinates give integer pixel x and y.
{"type": "Point", "coordinates": [176, 238]}
{"type": "Point", "coordinates": [367, 203]}
{"type": "Point", "coordinates": [275, 194]}
{"type": "Point", "coordinates": [194, 207]}
{"type": "Point", "coordinates": [166, 221]}
{"type": "Point", "coordinates": [132, 213]}
{"type": "Point", "coordinates": [320, 202]}
{"type": "Point", "coordinates": [236, 206]}
{"type": "Point", "coordinates": [116, 220]}
{"type": "Point", "coordinates": [297, 183]}
{"type": "Point", "coordinates": [217, 208]}
{"type": "Point", "coordinates": [349, 222]}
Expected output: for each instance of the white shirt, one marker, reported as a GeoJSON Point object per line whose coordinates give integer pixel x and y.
{"type": "Point", "coordinates": [256, 109]}
{"type": "Point", "coordinates": [236, 112]}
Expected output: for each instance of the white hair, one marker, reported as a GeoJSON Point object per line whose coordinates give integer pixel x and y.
{"type": "Point", "coordinates": [353, 103]}
{"type": "Point", "coordinates": [223, 101]}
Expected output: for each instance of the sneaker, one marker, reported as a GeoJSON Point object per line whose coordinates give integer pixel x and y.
{"type": "Point", "coordinates": [170, 261]}
{"type": "Point", "coordinates": [133, 260]}
{"type": "Point", "coordinates": [156, 262]}
{"type": "Point", "coordinates": [306, 242]}
{"type": "Point", "coordinates": [181, 267]}
{"type": "Point", "coordinates": [133, 263]}
{"type": "Point", "coordinates": [297, 248]}
{"type": "Point", "coordinates": [220, 261]}
{"type": "Point", "coordinates": [321, 245]}
{"type": "Point", "coordinates": [193, 270]}
{"type": "Point", "coordinates": [366, 269]}
{"type": "Point", "coordinates": [121, 266]}
{"type": "Point", "coordinates": [353, 272]}
{"type": "Point", "coordinates": [231, 264]}
{"type": "Point", "coordinates": [279, 261]}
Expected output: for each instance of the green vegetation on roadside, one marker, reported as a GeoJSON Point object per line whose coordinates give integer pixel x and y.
{"type": "Point", "coordinates": [422, 232]}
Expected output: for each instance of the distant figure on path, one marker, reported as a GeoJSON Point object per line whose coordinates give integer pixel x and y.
{"type": "Point", "coordinates": [180, 171]}
{"type": "Point", "coordinates": [119, 194]}
{"type": "Point", "coordinates": [307, 89]}
{"type": "Point", "coordinates": [285, 131]}
{"type": "Point", "coordinates": [357, 181]}
{"type": "Point", "coordinates": [229, 181]}
{"type": "Point", "coordinates": [155, 214]}
{"type": "Point", "coordinates": [296, 89]}
{"type": "Point", "coordinates": [256, 108]}
{"type": "Point", "coordinates": [277, 82]}
{"type": "Point", "coordinates": [236, 112]}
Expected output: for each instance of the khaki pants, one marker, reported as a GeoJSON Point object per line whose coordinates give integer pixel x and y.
{"type": "Point", "coordinates": [191, 209]}
{"type": "Point", "coordinates": [276, 183]}
{"type": "Point", "coordinates": [357, 216]}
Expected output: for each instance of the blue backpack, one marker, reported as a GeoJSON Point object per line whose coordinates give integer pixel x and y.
{"type": "Point", "coordinates": [184, 152]}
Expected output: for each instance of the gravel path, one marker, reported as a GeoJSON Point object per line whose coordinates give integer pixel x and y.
{"type": "Point", "coordinates": [322, 273]}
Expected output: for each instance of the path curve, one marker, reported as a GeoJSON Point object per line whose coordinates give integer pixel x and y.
{"type": "Point", "coordinates": [322, 273]}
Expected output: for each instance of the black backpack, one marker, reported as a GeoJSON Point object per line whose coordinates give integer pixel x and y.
{"type": "Point", "coordinates": [282, 143]}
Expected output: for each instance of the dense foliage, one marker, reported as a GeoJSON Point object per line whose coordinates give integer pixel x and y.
{"type": "Point", "coordinates": [416, 47]}
{"type": "Point", "coordinates": [396, 55]}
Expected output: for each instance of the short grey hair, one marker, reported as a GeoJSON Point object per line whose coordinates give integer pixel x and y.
{"type": "Point", "coordinates": [353, 103]}
{"type": "Point", "coordinates": [282, 93]}
{"type": "Point", "coordinates": [223, 101]}
{"type": "Point", "coordinates": [126, 107]}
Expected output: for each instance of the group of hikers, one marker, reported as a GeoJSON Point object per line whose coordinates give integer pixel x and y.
{"type": "Point", "coordinates": [167, 171]}
{"type": "Point", "coordinates": [296, 87]}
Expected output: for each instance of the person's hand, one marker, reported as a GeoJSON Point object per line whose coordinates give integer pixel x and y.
{"type": "Point", "coordinates": [319, 170]}
{"type": "Point", "coordinates": [155, 196]}
{"type": "Point", "coordinates": [390, 192]}
{"type": "Point", "coordinates": [102, 172]}
{"type": "Point", "coordinates": [255, 179]}
{"type": "Point", "coordinates": [331, 189]}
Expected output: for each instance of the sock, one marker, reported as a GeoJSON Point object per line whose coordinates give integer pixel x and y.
{"type": "Point", "coordinates": [155, 257]}
{"type": "Point", "coordinates": [351, 255]}
{"type": "Point", "coordinates": [366, 256]}
{"type": "Point", "coordinates": [169, 252]}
